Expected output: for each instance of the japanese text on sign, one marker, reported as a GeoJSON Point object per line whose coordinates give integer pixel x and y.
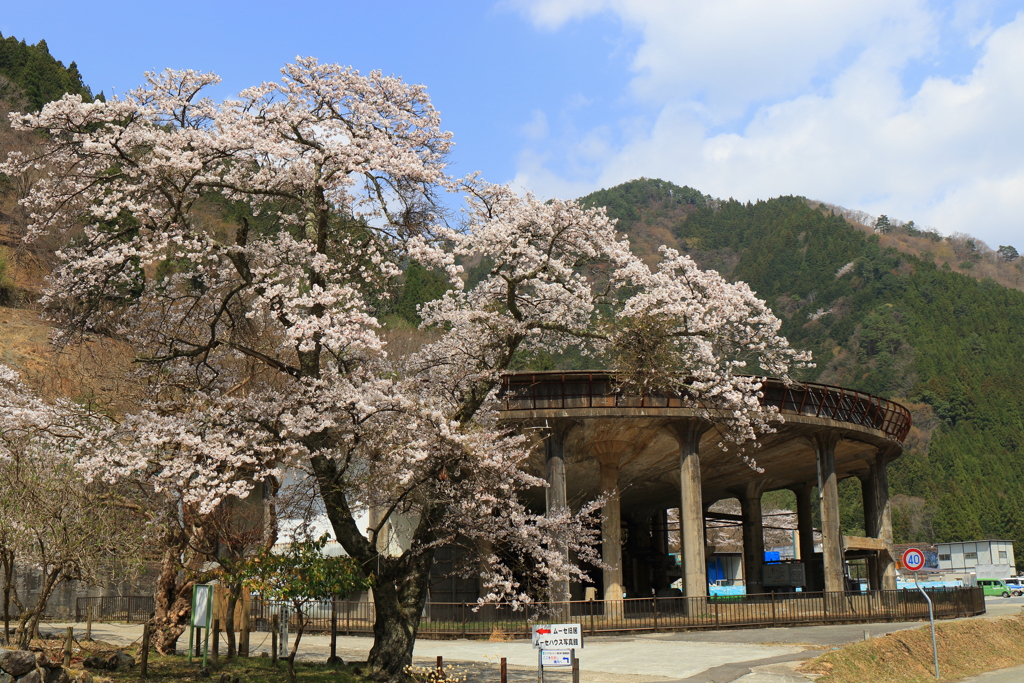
{"type": "Point", "coordinates": [556, 658]}
{"type": "Point", "coordinates": [558, 636]}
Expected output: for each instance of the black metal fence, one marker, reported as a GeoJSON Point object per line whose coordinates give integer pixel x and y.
{"type": "Point", "coordinates": [128, 608]}
{"type": "Point", "coordinates": [642, 614]}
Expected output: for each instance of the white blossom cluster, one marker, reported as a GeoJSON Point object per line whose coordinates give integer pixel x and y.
{"type": "Point", "coordinates": [259, 336]}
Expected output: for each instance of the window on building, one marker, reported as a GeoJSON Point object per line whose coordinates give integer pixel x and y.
{"type": "Point", "coordinates": [970, 556]}
{"type": "Point", "coordinates": [943, 558]}
{"type": "Point", "coordinates": [1002, 554]}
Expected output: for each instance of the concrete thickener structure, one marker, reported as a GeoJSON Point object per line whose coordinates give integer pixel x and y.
{"type": "Point", "coordinates": [652, 454]}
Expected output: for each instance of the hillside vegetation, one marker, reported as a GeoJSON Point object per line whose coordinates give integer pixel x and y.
{"type": "Point", "coordinates": [34, 75]}
{"type": "Point", "coordinates": [883, 318]}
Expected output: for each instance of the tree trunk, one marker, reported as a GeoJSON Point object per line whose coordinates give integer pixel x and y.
{"type": "Point", "coordinates": [28, 620]}
{"type": "Point", "coordinates": [7, 562]}
{"type": "Point", "coordinates": [400, 583]}
{"type": "Point", "coordinates": [394, 632]}
{"type": "Point", "coordinates": [173, 599]}
{"type": "Point", "coordinates": [295, 645]}
{"type": "Point", "coordinates": [234, 591]}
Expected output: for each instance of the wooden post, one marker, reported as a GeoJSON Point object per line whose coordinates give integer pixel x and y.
{"type": "Point", "coordinates": [273, 640]}
{"type": "Point", "coordinates": [575, 667]}
{"type": "Point", "coordinates": [215, 651]}
{"type": "Point", "coordinates": [334, 631]}
{"type": "Point", "coordinates": [88, 623]}
{"type": "Point", "coordinates": [504, 670]}
{"type": "Point", "coordinates": [440, 668]}
{"type": "Point", "coordinates": [67, 647]}
{"type": "Point", "coordinates": [144, 655]}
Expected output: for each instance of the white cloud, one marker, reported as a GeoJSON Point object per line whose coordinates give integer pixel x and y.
{"type": "Point", "coordinates": [754, 99]}
{"type": "Point", "coordinates": [537, 127]}
{"type": "Point", "coordinates": [731, 53]}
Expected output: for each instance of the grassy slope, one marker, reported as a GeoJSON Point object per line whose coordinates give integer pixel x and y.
{"type": "Point", "coordinates": [966, 648]}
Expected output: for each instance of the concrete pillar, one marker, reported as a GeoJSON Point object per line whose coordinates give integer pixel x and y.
{"type": "Point", "coordinates": [753, 539]}
{"type": "Point", "coordinates": [659, 546]}
{"type": "Point", "coordinates": [869, 499]}
{"type": "Point", "coordinates": [555, 495]}
{"type": "Point", "coordinates": [691, 508]}
{"type": "Point", "coordinates": [640, 546]}
{"type": "Point", "coordinates": [611, 530]}
{"type": "Point", "coordinates": [878, 520]}
{"type": "Point", "coordinates": [804, 522]}
{"type": "Point", "coordinates": [828, 494]}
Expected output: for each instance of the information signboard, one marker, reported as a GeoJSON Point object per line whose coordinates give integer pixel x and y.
{"type": "Point", "coordinates": [202, 605]}
{"type": "Point", "coordinates": [552, 636]}
{"type": "Point", "coordinates": [554, 658]}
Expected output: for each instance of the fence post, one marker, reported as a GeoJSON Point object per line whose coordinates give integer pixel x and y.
{"type": "Point", "coordinates": [334, 631]}
{"type": "Point", "coordinates": [655, 605]}
{"type": "Point", "coordinates": [463, 620]}
{"type": "Point", "coordinates": [440, 668]}
{"type": "Point", "coordinates": [67, 646]}
{"type": "Point", "coordinates": [215, 650]}
{"type": "Point", "coordinates": [592, 616]}
{"type": "Point", "coordinates": [273, 640]}
{"type": "Point", "coordinates": [775, 622]}
{"type": "Point", "coordinates": [348, 617]}
{"type": "Point", "coordinates": [88, 623]}
{"type": "Point", "coordinates": [144, 655]}
{"type": "Point", "coordinates": [504, 670]}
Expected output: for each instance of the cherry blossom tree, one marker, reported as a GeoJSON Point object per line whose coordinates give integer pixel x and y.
{"type": "Point", "coordinates": [51, 519]}
{"type": "Point", "coordinates": [244, 250]}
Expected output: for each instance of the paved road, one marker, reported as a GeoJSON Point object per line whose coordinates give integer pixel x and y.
{"type": "Point", "coordinates": [1015, 674]}
{"type": "Point", "coordinates": [766, 655]}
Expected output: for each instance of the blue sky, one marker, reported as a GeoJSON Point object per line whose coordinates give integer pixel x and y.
{"type": "Point", "coordinates": [904, 107]}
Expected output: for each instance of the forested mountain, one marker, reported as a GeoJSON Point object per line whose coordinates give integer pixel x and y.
{"type": "Point", "coordinates": [36, 75]}
{"type": "Point", "coordinates": [902, 325]}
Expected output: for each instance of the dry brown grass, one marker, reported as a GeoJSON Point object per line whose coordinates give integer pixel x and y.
{"type": "Point", "coordinates": [93, 372]}
{"type": "Point", "coordinates": [966, 648]}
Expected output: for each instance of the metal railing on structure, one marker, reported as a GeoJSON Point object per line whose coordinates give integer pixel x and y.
{"type": "Point", "coordinates": [568, 390]}
{"type": "Point", "coordinates": [645, 614]}
{"type": "Point", "coordinates": [128, 608]}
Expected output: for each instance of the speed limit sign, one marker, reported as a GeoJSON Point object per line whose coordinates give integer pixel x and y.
{"type": "Point", "coordinates": [913, 559]}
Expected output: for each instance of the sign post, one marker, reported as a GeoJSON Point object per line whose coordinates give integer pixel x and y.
{"type": "Point", "coordinates": [556, 647]}
{"type": "Point", "coordinates": [913, 559]}
{"type": "Point", "coordinates": [202, 615]}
